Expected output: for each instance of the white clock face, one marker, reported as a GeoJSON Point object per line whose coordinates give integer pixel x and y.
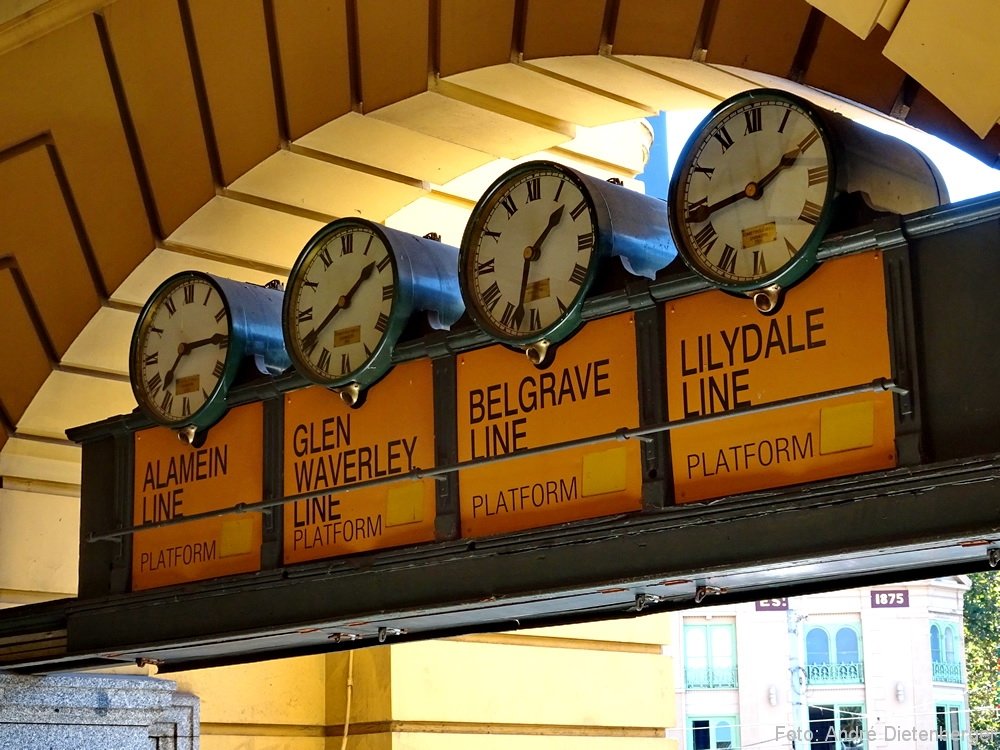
{"type": "Point", "coordinates": [529, 253]}
{"type": "Point", "coordinates": [180, 353]}
{"type": "Point", "coordinates": [753, 187]}
{"type": "Point", "coordinates": [340, 302]}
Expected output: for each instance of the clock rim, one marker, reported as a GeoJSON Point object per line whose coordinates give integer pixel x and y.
{"type": "Point", "coordinates": [215, 405]}
{"type": "Point", "coordinates": [373, 367]}
{"type": "Point", "coordinates": [567, 322]}
{"type": "Point", "coordinates": [805, 258]}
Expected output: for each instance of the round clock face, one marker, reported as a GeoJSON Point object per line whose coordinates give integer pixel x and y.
{"type": "Point", "coordinates": [528, 253]}
{"type": "Point", "coordinates": [751, 194]}
{"type": "Point", "coordinates": [180, 350]}
{"type": "Point", "coordinates": [339, 303]}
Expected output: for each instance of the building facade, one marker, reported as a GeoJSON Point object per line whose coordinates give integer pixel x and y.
{"type": "Point", "coordinates": [859, 669]}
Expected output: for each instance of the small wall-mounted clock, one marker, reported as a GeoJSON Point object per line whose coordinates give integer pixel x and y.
{"type": "Point", "coordinates": [756, 188]}
{"type": "Point", "coordinates": [189, 341]}
{"type": "Point", "coordinates": [533, 245]}
{"type": "Point", "coordinates": [351, 293]}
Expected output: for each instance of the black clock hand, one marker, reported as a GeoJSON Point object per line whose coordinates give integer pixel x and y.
{"type": "Point", "coordinates": [701, 212]}
{"type": "Point", "coordinates": [787, 160]}
{"type": "Point", "coordinates": [532, 253]}
{"type": "Point", "coordinates": [554, 218]}
{"type": "Point", "coordinates": [183, 349]}
{"type": "Point", "coordinates": [309, 340]}
{"type": "Point", "coordinates": [753, 190]}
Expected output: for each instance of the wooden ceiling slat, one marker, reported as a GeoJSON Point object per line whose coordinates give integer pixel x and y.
{"type": "Point", "coordinates": [235, 65]}
{"type": "Point", "coordinates": [853, 67]}
{"type": "Point", "coordinates": [746, 35]}
{"type": "Point", "coordinates": [563, 27]}
{"type": "Point", "coordinates": [474, 35]}
{"type": "Point", "coordinates": [39, 232]}
{"type": "Point", "coordinates": [314, 62]}
{"type": "Point", "coordinates": [670, 32]}
{"type": "Point", "coordinates": [148, 44]}
{"type": "Point", "coordinates": [23, 373]}
{"type": "Point", "coordinates": [55, 81]}
{"type": "Point", "coordinates": [393, 50]}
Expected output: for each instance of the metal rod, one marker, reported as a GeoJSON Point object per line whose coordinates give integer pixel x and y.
{"type": "Point", "coordinates": [878, 385]}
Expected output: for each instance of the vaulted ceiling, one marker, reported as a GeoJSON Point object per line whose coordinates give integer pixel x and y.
{"type": "Point", "coordinates": [142, 137]}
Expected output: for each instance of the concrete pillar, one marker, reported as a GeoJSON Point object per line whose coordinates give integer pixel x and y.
{"type": "Point", "coordinates": [78, 711]}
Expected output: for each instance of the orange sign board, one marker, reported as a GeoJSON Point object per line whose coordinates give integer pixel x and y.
{"type": "Point", "coordinates": [831, 332]}
{"type": "Point", "coordinates": [505, 404]}
{"type": "Point", "coordinates": [330, 446]}
{"type": "Point", "coordinates": [174, 479]}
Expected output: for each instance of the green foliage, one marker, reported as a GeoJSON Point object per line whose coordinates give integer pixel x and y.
{"type": "Point", "coordinates": [982, 651]}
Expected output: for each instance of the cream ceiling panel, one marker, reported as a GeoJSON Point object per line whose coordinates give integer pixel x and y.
{"type": "Point", "coordinates": [458, 122]}
{"type": "Point", "coordinates": [961, 67]}
{"type": "Point", "coordinates": [535, 91]}
{"type": "Point", "coordinates": [623, 146]}
{"type": "Point", "coordinates": [857, 16]}
{"type": "Point", "coordinates": [46, 462]}
{"type": "Point", "coordinates": [160, 264]}
{"type": "Point", "coordinates": [393, 148]}
{"type": "Point", "coordinates": [315, 185]}
{"type": "Point", "coordinates": [705, 78]}
{"type": "Point", "coordinates": [446, 217]}
{"type": "Point", "coordinates": [611, 74]}
{"type": "Point", "coordinates": [104, 343]}
{"type": "Point", "coordinates": [252, 233]}
{"type": "Point", "coordinates": [70, 400]}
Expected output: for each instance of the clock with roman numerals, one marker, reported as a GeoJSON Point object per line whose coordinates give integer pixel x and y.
{"type": "Point", "coordinates": [752, 195]}
{"type": "Point", "coordinates": [530, 253]}
{"type": "Point", "coordinates": [184, 356]}
{"type": "Point", "coordinates": [342, 311]}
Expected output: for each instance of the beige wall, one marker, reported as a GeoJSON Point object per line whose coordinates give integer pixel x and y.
{"type": "Point", "coordinates": [599, 685]}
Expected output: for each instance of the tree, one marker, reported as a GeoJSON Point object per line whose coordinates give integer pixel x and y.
{"type": "Point", "coordinates": [982, 651]}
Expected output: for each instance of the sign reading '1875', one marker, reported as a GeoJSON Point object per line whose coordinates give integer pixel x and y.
{"type": "Point", "coordinates": [330, 446]}
{"type": "Point", "coordinates": [831, 332]}
{"type": "Point", "coordinates": [505, 405]}
{"type": "Point", "coordinates": [174, 480]}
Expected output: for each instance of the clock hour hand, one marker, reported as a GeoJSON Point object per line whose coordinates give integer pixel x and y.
{"type": "Point", "coordinates": [536, 247]}
{"type": "Point", "coordinates": [309, 340]}
{"type": "Point", "coordinates": [183, 349]}
{"type": "Point", "coordinates": [701, 211]}
{"type": "Point", "coordinates": [532, 253]}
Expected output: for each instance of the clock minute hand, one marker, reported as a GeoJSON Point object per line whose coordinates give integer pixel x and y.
{"type": "Point", "coordinates": [787, 160]}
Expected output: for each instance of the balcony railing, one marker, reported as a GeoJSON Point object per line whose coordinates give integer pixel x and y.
{"type": "Point", "coordinates": [710, 678]}
{"type": "Point", "coordinates": [946, 672]}
{"type": "Point", "coordinates": [835, 674]}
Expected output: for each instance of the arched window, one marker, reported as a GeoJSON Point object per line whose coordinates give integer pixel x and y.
{"type": "Point", "coordinates": [935, 643]}
{"type": "Point", "coordinates": [949, 645]}
{"type": "Point", "coordinates": [847, 646]}
{"type": "Point", "coordinates": [833, 655]}
{"type": "Point", "coordinates": [817, 647]}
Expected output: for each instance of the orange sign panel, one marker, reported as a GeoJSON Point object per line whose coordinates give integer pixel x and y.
{"type": "Point", "coordinates": [505, 404]}
{"type": "Point", "coordinates": [174, 479]}
{"type": "Point", "coordinates": [330, 446]}
{"type": "Point", "coordinates": [831, 332]}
